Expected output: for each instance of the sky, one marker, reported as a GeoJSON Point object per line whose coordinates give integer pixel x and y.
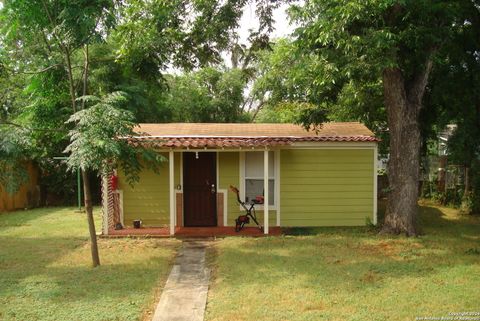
{"type": "Point", "coordinates": [250, 21]}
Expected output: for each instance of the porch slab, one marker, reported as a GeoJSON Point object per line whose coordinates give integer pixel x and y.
{"type": "Point", "coordinates": [181, 232]}
{"type": "Point", "coordinates": [224, 231]}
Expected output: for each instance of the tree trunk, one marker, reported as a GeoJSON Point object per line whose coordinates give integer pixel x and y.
{"type": "Point", "coordinates": [91, 223]}
{"type": "Point", "coordinates": [404, 163]}
{"type": "Point", "coordinates": [86, 180]}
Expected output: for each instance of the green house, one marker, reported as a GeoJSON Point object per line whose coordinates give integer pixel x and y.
{"type": "Point", "coordinates": [323, 177]}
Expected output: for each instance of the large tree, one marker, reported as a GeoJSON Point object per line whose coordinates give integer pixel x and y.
{"type": "Point", "coordinates": [397, 42]}
{"type": "Point", "coordinates": [66, 30]}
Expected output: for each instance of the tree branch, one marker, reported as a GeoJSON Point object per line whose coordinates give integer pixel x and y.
{"type": "Point", "coordinates": [9, 123]}
{"type": "Point", "coordinates": [6, 122]}
{"type": "Point", "coordinates": [259, 107]}
{"type": "Point", "coordinates": [41, 70]}
{"type": "Point", "coordinates": [420, 81]}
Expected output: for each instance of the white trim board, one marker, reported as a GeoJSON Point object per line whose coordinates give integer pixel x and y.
{"type": "Point", "coordinates": [241, 177]}
{"type": "Point", "coordinates": [225, 204]}
{"type": "Point", "coordinates": [171, 190]}
{"type": "Point", "coordinates": [327, 145]}
{"type": "Point", "coordinates": [266, 193]}
{"type": "Point", "coordinates": [226, 136]}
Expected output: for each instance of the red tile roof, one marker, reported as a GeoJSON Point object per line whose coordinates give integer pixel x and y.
{"type": "Point", "coordinates": [213, 135]}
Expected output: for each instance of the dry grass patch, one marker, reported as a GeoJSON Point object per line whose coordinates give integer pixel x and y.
{"type": "Point", "coordinates": [350, 273]}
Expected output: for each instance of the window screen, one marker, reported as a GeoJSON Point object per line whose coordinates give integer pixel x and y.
{"type": "Point", "coordinates": [254, 176]}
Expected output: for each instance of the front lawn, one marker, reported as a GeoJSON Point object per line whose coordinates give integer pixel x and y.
{"type": "Point", "coordinates": [350, 273]}
{"type": "Point", "coordinates": [46, 273]}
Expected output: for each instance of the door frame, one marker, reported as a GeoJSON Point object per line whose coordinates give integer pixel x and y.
{"type": "Point", "coordinates": [182, 189]}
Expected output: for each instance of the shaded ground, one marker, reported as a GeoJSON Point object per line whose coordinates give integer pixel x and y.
{"type": "Point", "coordinates": [350, 273]}
{"type": "Point", "coordinates": [45, 271]}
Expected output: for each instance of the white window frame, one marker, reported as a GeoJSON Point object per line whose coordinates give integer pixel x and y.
{"type": "Point", "coordinates": [276, 179]}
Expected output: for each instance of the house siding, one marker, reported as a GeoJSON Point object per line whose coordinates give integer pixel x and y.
{"type": "Point", "coordinates": [326, 187]}
{"type": "Point", "coordinates": [318, 187]}
{"type": "Point", "coordinates": [229, 174]}
{"type": "Point", "coordinates": [148, 199]}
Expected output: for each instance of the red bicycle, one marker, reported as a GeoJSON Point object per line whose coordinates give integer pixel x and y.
{"type": "Point", "coordinates": [251, 214]}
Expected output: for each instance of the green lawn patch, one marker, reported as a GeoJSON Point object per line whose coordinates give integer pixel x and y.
{"type": "Point", "coordinates": [46, 273]}
{"type": "Point", "coordinates": [350, 273]}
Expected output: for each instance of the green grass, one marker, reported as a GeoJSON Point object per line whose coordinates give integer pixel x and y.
{"type": "Point", "coordinates": [350, 273]}
{"type": "Point", "coordinates": [328, 274]}
{"type": "Point", "coordinates": [46, 273]}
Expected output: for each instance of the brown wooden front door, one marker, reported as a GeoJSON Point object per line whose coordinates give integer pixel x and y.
{"type": "Point", "coordinates": [199, 189]}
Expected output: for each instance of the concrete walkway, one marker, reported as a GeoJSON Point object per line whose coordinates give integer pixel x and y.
{"type": "Point", "coordinates": [185, 294]}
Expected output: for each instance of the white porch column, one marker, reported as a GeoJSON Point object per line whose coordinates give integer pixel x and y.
{"type": "Point", "coordinates": [265, 191]}
{"type": "Point", "coordinates": [171, 190]}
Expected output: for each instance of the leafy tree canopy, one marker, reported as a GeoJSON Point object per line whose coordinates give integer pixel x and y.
{"type": "Point", "coordinates": [207, 95]}
{"type": "Point", "coordinates": [96, 140]}
{"type": "Point", "coordinates": [309, 91]}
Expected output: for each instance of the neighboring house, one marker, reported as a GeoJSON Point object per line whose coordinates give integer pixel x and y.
{"type": "Point", "coordinates": [323, 178]}
{"type": "Point", "coordinates": [437, 166]}
{"type": "Point", "coordinates": [443, 138]}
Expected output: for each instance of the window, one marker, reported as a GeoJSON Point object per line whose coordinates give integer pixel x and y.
{"type": "Point", "coordinates": [254, 176]}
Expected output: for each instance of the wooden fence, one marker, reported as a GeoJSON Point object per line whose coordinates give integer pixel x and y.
{"type": "Point", "coordinates": [27, 197]}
